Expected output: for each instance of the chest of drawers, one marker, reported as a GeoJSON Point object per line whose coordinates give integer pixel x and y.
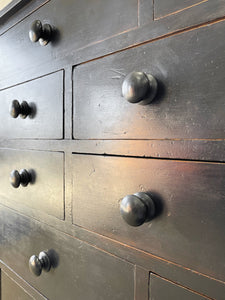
{"type": "Point", "coordinates": [113, 138]}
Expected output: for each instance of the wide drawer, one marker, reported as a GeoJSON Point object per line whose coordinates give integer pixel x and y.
{"type": "Point", "coordinates": [44, 193]}
{"type": "Point", "coordinates": [190, 101]}
{"type": "Point", "coordinates": [75, 25]}
{"type": "Point", "coordinates": [44, 120]}
{"type": "Point", "coordinates": [188, 227]}
{"type": "Point", "coordinates": [79, 271]}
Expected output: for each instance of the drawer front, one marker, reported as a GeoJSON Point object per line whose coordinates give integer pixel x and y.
{"type": "Point", "coordinates": [161, 289]}
{"type": "Point", "coordinates": [190, 101]}
{"type": "Point", "coordinates": [45, 191]}
{"type": "Point", "coordinates": [10, 289]}
{"type": "Point", "coordinates": [44, 97]}
{"type": "Point", "coordinates": [190, 206]}
{"type": "Point", "coordinates": [75, 24]}
{"type": "Point", "coordinates": [79, 271]}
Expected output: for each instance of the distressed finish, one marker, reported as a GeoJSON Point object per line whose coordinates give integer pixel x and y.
{"type": "Point", "coordinates": [161, 289]}
{"type": "Point", "coordinates": [190, 91]}
{"type": "Point", "coordinates": [189, 196]}
{"type": "Point", "coordinates": [85, 22]}
{"type": "Point", "coordinates": [45, 191]}
{"type": "Point", "coordinates": [45, 98]}
{"type": "Point", "coordinates": [89, 148]}
{"type": "Point", "coordinates": [164, 8]}
{"type": "Point", "coordinates": [79, 271]}
{"type": "Point", "coordinates": [10, 289]}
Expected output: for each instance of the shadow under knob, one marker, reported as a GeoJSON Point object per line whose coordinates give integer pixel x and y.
{"type": "Point", "coordinates": [39, 263]}
{"type": "Point", "coordinates": [23, 177]}
{"type": "Point", "coordinates": [41, 33]}
{"type": "Point", "coordinates": [137, 209]}
{"type": "Point", "coordinates": [139, 87]}
{"type": "Point", "coordinates": [22, 109]}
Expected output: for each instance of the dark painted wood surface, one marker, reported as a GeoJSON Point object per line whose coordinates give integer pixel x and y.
{"type": "Point", "coordinates": [204, 150]}
{"type": "Point", "coordinates": [184, 276]}
{"type": "Point", "coordinates": [75, 23]}
{"type": "Point", "coordinates": [163, 8]}
{"type": "Point", "coordinates": [79, 271]}
{"type": "Point", "coordinates": [161, 289]}
{"type": "Point", "coordinates": [190, 101]}
{"type": "Point", "coordinates": [45, 96]}
{"type": "Point", "coordinates": [64, 54]}
{"type": "Point", "coordinates": [184, 13]}
{"type": "Point", "coordinates": [19, 13]}
{"type": "Point", "coordinates": [11, 290]}
{"type": "Point", "coordinates": [46, 193]}
{"type": "Point", "coordinates": [189, 227]}
{"type": "Point", "coordinates": [61, 52]}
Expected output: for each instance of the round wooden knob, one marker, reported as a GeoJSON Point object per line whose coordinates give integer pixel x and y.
{"type": "Point", "coordinates": [139, 87]}
{"type": "Point", "coordinates": [39, 263]}
{"type": "Point", "coordinates": [23, 177]}
{"type": "Point", "coordinates": [39, 32]}
{"type": "Point", "coordinates": [22, 109]}
{"type": "Point", "coordinates": [137, 209]}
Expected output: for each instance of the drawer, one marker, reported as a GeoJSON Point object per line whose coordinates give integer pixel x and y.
{"type": "Point", "coordinates": [161, 289]}
{"type": "Point", "coordinates": [44, 191]}
{"type": "Point", "coordinates": [78, 270]}
{"type": "Point", "coordinates": [189, 103]}
{"type": "Point", "coordinates": [75, 25]}
{"type": "Point", "coordinates": [11, 289]}
{"type": "Point", "coordinates": [41, 117]}
{"type": "Point", "coordinates": [188, 226]}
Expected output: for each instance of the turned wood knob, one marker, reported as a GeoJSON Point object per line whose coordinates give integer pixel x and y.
{"type": "Point", "coordinates": [39, 263]}
{"type": "Point", "coordinates": [41, 33]}
{"type": "Point", "coordinates": [22, 177]}
{"type": "Point", "coordinates": [137, 209]}
{"type": "Point", "coordinates": [139, 87]}
{"type": "Point", "coordinates": [22, 109]}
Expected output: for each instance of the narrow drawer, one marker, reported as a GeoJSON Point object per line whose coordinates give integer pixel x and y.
{"type": "Point", "coordinates": [43, 118]}
{"type": "Point", "coordinates": [44, 191]}
{"type": "Point", "coordinates": [188, 225]}
{"type": "Point", "coordinates": [161, 289]}
{"type": "Point", "coordinates": [189, 103]}
{"type": "Point", "coordinates": [75, 25]}
{"type": "Point", "coordinates": [78, 270]}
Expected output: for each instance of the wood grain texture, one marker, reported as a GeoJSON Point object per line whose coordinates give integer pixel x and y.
{"type": "Point", "coordinates": [46, 193]}
{"type": "Point", "coordinates": [190, 100]}
{"type": "Point", "coordinates": [79, 270]}
{"type": "Point", "coordinates": [189, 196]}
{"type": "Point", "coordinates": [45, 96]}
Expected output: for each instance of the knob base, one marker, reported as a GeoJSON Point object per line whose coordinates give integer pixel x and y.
{"type": "Point", "coordinates": [152, 90]}
{"type": "Point", "coordinates": [147, 200]}
{"type": "Point", "coordinates": [46, 35]}
{"type": "Point", "coordinates": [45, 261]}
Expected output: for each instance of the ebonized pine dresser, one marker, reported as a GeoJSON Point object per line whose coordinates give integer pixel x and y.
{"type": "Point", "coordinates": [112, 150]}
